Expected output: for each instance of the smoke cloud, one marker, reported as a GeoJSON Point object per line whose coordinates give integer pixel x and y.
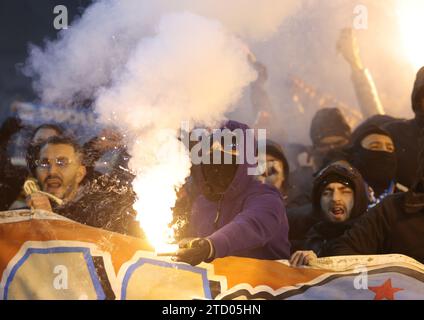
{"type": "Point", "coordinates": [148, 66]}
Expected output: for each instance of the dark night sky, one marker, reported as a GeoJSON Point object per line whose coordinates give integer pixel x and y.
{"type": "Point", "coordinates": [23, 22]}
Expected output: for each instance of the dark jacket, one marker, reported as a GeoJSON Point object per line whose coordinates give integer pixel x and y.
{"type": "Point", "coordinates": [11, 177]}
{"type": "Point", "coordinates": [301, 220]}
{"type": "Point", "coordinates": [387, 228]}
{"type": "Point", "coordinates": [406, 134]}
{"type": "Point", "coordinates": [395, 225]}
{"type": "Point", "coordinates": [250, 218]}
{"type": "Point", "coordinates": [299, 187]}
{"type": "Point", "coordinates": [324, 232]}
{"type": "Point", "coordinates": [105, 202]}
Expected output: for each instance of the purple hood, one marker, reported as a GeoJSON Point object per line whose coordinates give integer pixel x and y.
{"type": "Point", "coordinates": [250, 220]}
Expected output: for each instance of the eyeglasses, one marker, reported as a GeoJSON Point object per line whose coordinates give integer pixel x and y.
{"type": "Point", "coordinates": [61, 162]}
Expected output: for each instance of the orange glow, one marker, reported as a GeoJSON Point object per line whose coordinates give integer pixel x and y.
{"type": "Point", "coordinates": [411, 23]}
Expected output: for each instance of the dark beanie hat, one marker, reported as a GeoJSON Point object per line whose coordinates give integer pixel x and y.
{"type": "Point", "coordinates": [329, 122]}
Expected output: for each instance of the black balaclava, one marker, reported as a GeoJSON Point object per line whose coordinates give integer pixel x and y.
{"type": "Point", "coordinates": [218, 176]}
{"type": "Point", "coordinates": [327, 122]}
{"type": "Point", "coordinates": [378, 168]}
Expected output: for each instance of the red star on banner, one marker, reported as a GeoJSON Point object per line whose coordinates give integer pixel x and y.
{"type": "Point", "coordinates": [385, 291]}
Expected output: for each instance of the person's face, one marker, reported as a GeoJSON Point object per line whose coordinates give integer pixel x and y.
{"type": "Point", "coordinates": [59, 170]}
{"type": "Point", "coordinates": [274, 173]}
{"type": "Point", "coordinates": [378, 142]}
{"type": "Point", "coordinates": [43, 134]}
{"type": "Point", "coordinates": [337, 201]}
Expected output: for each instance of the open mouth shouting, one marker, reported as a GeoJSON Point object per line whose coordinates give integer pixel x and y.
{"type": "Point", "coordinates": [53, 184]}
{"type": "Point", "coordinates": [338, 212]}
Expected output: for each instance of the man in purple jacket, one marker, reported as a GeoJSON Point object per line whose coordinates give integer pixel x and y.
{"type": "Point", "coordinates": [234, 215]}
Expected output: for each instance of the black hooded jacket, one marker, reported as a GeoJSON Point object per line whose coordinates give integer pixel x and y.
{"type": "Point", "coordinates": [405, 135]}
{"type": "Point", "coordinates": [395, 225]}
{"type": "Point", "coordinates": [324, 231]}
{"type": "Point", "coordinates": [387, 228]}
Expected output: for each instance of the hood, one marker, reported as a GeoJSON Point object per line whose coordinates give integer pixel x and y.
{"type": "Point", "coordinates": [328, 122]}
{"type": "Point", "coordinates": [346, 172]}
{"type": "Point", "coordinates": [418, 90]}
{"type": "Point", "coordinates": [241, 179]}
{"type": "Point", "coordinates": [276, 150]}
{"type": "Point", "coordinates": [365, 131]}
{"type": "Point", "coordinates": [378, 120]}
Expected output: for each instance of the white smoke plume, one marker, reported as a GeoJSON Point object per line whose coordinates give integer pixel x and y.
{"type": "Point", "coordinates": [302, 46]}
{"type": "Point", "coordinates": [305, 47]}
{"type": "Point", "coordinates": [149, 65]}
{"type": "Point", "coordinates": [173, 76]}
{"type": "Point", "coordinates": [94, 50]}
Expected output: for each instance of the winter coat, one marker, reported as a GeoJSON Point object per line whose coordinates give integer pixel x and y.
{"type": "Point", "coordinates": [301, 220]}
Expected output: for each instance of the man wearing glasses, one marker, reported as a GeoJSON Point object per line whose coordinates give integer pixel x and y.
{"type": "Point", "coordinates": [59, 171]}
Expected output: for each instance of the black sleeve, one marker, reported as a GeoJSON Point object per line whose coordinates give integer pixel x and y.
{"type": "Point", "coordinates": [367, 236]}
{"type": "Point", "coordinates": [314, 241]}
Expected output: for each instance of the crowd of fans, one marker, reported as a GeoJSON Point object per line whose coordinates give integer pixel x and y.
{"type": "Point", "coordinates": [361, 191]}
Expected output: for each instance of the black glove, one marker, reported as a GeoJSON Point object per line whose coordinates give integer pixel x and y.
{"type": "Point", "coordinates": [195, 251]}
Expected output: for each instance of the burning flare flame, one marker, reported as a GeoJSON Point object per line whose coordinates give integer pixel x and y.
{"type": "Point", "coordinates": [157, 185]}
{"type": "Point", "coordinates": [411, 23]}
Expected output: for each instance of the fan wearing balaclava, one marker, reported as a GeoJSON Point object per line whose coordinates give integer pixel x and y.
{"type": "Point", "coordinates": [234, 214]}
{"type": "Point", "coordinates": [405, 134]}
{"type": "Point", "coordinates": [373, 154]}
